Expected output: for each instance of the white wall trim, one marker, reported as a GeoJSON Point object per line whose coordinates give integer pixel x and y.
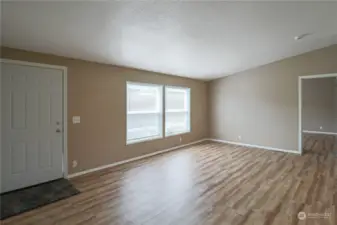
{"type": "Point", "coordinates": [64, 99]}
{"type": "Point", "coordinates": [329, 75]}
{"type": "Point", "coordinates": [300, 128]}
{"type": "Point", "coordinates": [133, 159]}
{"type": "Point", "coordinates": [255, 146]}
{"type": "Point", "coordinates": [24, 63]}
{"type": "Point", "coordinates": [300, 149]}
{"type": "Point", "coordinates": [318, 132]}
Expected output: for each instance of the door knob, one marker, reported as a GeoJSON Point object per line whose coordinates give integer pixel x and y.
{"type": "Point", "coordinates": [58, 130]}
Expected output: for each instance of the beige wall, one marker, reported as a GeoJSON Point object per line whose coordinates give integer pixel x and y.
{"type": "Point", "coordinates": [318, 108]}
{"type": "Point", "coordinates": [261, 104]}
{"type": "Point", "coordinates": [335, 104]}
{"type": "Point", "coordinates": [97, 93]}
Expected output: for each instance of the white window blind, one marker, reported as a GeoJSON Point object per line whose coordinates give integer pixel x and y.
{"type": "Point", "coordinates": [177, 110]}
{"type": "Point", "coordinates": [144, 112]}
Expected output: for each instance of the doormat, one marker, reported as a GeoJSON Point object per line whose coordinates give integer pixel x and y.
{"type": "Point", "coordinates": [22, 200]}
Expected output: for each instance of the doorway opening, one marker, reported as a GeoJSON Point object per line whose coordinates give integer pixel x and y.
{"type": "Point", "coordinates": [308, 124]}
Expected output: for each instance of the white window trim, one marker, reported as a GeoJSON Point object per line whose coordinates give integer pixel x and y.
{"type": "Point", "coordinates": [141, 140]}
{"type": "Point", "coordinates": [187, 109]}
{"type": "Point", "coordinates": [142, 112]}
{"type": "Point", "coordinates": [177, 133]}
{"type": "Point", "coordinates": [158, 111]}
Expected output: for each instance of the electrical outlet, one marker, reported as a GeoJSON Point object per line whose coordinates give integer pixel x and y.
{"type": "Point", "coordinates": [74, 163]}
{"type": "Point", "coordinates": [239, 137]}
{"type": "Point", "coordinates": [321, 128]}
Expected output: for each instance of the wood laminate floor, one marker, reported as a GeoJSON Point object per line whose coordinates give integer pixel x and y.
{"type": "Point", "coordinates": [208, 183]}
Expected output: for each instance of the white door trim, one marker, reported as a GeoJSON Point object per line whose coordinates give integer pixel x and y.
{"type": "Point", "coordinates": [300, 78]}
{"type": "Point", "coordinates": [64, 101]}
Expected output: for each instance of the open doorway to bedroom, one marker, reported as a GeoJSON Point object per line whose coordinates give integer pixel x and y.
{"type": "Point", "coordinates": [318, 114]}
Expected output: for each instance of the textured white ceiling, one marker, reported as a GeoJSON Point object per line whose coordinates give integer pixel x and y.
{"type": "Point", "coordinates": [202, 40]}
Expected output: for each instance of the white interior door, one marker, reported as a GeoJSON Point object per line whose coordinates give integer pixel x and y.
{"type": "Point", "coordinates": [31, 125]}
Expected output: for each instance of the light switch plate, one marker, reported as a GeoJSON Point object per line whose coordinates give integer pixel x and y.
{"type": "Point", "coordinates": [76, 119]}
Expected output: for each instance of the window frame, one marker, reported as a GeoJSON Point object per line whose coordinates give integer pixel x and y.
{"type": "Point", "coordinates": [187, 110]}
{"type": "Point", "coordinates": [160, 111]}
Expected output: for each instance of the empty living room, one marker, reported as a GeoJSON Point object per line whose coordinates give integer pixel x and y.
{"type": "Point", "coordinates": [168, 112]}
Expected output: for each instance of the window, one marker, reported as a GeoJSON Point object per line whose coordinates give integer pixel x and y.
{"type": "Point", "coordinates": [144, 112]}
{"type": "Point", "coordinates": [177, 110]}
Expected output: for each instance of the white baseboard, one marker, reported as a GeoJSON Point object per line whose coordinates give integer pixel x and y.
{"type": "Point", "coordinates": [318, 132]}
{"type": "Point", "coordinates": [132, 159]}
{"type": "Point", "coordinates": [255, 146]}
{"type": "Point", "coordinates": [174, 148]}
